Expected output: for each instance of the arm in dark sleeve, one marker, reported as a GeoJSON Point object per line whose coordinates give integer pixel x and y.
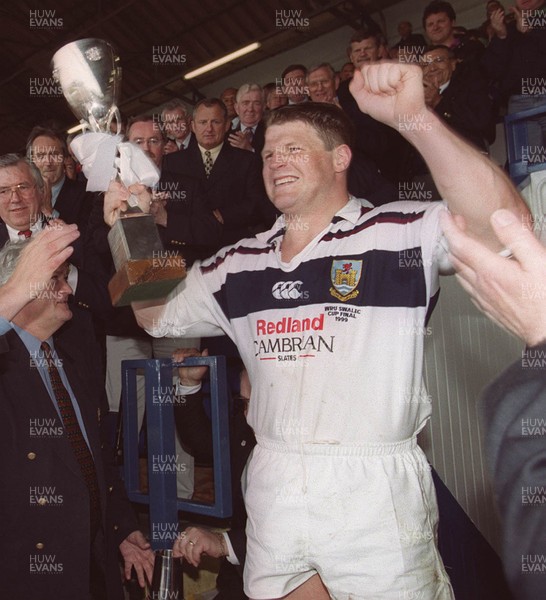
{"type": "Point", "coordinates": [240, 212]}
{"type": "Point", "coordinates": [468, 107]}
{"type": "Point", "coordinates": [189, 221]}
{"type": "Point", "coordinates": [497, 55]}
{"type": "Point", "coordinates": [194, 427]}
{"type": "Point", "coordinates": [365, 181]}
{"type": "Point", "coordinates": [120, 517]}
{"type": "Point", "coordinates": [515, 411]}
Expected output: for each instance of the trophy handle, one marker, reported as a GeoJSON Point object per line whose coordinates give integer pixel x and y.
{"type": "Point", "coordinates": [114, 113]}
{"type": "Point", "coordinates": [95, 126]}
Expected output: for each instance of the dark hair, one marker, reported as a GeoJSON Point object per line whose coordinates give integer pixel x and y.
{"type": "Point", "coordinates": [449, 51]}
{"type": "Point", "coordinates": [294, 68]}
{"type": "Point", "coordinates": [40, 130]}
{"type": "Point", "coordinates": [331, 124]}
{"type": "Point", "coordinates": [363, 34]}
{"type": "Point", "coordinates": [439, 6]}
{"type": "Point", "coordinates": [211, 103]}
{"type": "Point", "coordinates": [155, 119]}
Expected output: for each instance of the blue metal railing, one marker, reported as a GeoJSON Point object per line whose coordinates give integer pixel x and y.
{"type": "Point", "coordinates": [517, 140]}
{"type": "Point", "coordinates": [162, 497]}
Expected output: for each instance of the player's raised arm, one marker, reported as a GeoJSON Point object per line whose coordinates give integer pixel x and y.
{"type": "Point", "coordinates": [471, 184]}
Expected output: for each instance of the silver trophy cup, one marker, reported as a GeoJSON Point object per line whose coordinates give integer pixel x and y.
{"type": "Point", "coordinates": [89, 74]}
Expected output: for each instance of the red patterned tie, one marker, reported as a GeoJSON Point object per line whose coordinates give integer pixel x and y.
{"type": "Point", "coordinates": [75, 437]}
{"type": "Point", "coordinates": [25, 234]}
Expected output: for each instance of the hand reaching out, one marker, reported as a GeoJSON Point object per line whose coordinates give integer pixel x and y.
{"type": "Point", "coordinates": [192, 543]}
{"type": "Point", "coordinates": [511, 292]}
{"type": "Point", "coordinates": [137, 553]}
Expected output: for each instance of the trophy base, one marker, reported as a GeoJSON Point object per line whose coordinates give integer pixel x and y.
{"type": "Point", "coordinates": [142, 280]}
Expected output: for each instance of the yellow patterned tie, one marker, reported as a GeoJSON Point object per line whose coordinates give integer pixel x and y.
{"type": "Point", "coordinates": [208, 163]}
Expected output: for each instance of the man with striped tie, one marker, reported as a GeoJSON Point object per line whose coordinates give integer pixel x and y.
{"type": "Point", "coordinates": [63, 508]}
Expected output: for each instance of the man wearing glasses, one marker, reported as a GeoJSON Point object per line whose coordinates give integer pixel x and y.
{"type": "Point", "coordinates": [22, 214]}
{"type": "Point", "coordinates": [459, 94]}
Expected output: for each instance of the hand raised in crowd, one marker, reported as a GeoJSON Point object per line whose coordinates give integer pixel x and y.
{"type": "Point", "coordinates": [137, 553]}
{"type": "Point", "coordinates": [389, 92]}
{"type": "Point", "coordinates": [511, 292]}
{"type": "Point", "coordinates": [190, 376]}
{"type": "Point", "coordinates": [195, 542]}
{"type": "Point", "coordinates": [240, 139]}
{"type": "Point", "coordinates": [45, 253]}
{"type": "Point", "coordinates": [117, 196]}
{"type": "Point", "coordinates": [498, 23]}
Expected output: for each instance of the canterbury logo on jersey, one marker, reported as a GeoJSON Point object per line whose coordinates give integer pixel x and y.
{"type": "Point", "coordinates": [287, 290]}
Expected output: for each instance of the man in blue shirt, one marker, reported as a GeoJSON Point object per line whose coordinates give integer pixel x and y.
{"type": "Point", "coordinates": [64, 510]}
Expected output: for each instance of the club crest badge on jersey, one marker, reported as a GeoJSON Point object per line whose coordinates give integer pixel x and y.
{"type": "Point", "coordinates": [345, 275]}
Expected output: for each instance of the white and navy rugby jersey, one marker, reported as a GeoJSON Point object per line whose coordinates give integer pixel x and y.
{"type": "Point", "coordinates": [333, 339]}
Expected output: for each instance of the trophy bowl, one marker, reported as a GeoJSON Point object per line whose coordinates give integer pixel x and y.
{"type": "Point", "coordinates": [89, 74]}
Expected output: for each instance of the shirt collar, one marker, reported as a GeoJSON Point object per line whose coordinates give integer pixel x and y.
{"type": "Point", "coordinates": [32, 344]}
{"type": "Point", "coordinates": [214, 152]}
{"type": "Point", "coordinates": [443, 86]}
{"type": "Point", "coordinates": [351, 211]}
{"type": "Point", "coordinates": [55, 189]}
{"type": "Point", "coordinates": [14, 233]}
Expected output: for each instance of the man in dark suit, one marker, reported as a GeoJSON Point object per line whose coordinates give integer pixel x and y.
{"type": "Point", "coordinates": [231, 178]}
{"type": "Point", "coordinates": [459, 94]}
{"type": "Point", "coordinates": [249, 106]}
{"type": "Point", "coordinates": [64, 198]}
{"type": "Point", "coordinates": [63, 508]}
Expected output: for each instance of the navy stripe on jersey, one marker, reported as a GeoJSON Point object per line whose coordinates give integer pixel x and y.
{"type": "Point", "coordinates": [237, 250]}
{"type": "Point", "coordinates": [386, 280]}
{"type": "Point", "coordinates": [398, 218]}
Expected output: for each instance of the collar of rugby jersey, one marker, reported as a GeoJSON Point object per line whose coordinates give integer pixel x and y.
{"type": "Point", "coordinates": [351, 212]}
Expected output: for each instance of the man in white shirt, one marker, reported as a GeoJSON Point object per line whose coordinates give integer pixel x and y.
{"type": "Point", "coordinates": [316, 307]}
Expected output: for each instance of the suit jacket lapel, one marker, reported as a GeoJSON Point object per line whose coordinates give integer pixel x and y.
{"type": "Point", "coordinates": [4, 235]}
